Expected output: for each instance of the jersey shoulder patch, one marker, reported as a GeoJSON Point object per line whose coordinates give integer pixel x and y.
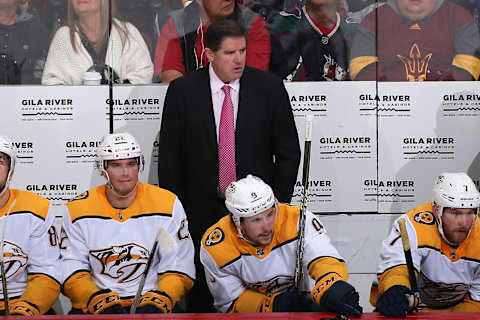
{"type": "Point", "coordinates": [220, 241]}
{"type": "Point", "coordinates": [425, 217]}
{"type": "Point", "coordinates": [423, 221]}
{"type": "Point", "coordinates": [215, 237]}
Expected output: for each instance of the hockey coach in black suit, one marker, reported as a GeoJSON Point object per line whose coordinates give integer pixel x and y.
{"type": "Point", "coordinates": [220, 123]}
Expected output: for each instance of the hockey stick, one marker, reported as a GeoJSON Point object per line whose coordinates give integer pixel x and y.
{"type": "Point", "coordinates": [298, 276]}
{"type": "Point", "coordinates": [110, 81]}
{"type": "Point", "coordinates": [408, 259]}
{"type": "Point", "coordinates": [166, 242]}
{"type": "Point", "coordinates": [2, 266]}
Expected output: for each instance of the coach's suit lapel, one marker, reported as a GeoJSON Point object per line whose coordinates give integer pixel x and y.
{"type": "Point", "coordinates": [246, 107]}
{"type": "Point", "coordinates": [205, 107]}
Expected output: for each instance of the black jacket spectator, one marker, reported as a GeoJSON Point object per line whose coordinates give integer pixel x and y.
{"type": "Point", "coordinates": [23, 49]}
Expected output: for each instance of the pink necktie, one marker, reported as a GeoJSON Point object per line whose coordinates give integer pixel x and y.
{"type": "Point", "coordinates": [226, 143]}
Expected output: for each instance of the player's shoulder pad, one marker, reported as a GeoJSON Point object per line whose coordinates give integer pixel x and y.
{"type": "Point", "coordinates": [156, 199]}
{"type": "Point", "coordinates": [287, 224]}
{"type": "Point", "coordinates": [220, 241]}
{"type": "Point", "coordinates": [27, 201]}
{"type": "Point", "coordinates": [85, 203]}
{"type": "Point", "coordinates": [473, 242]}
{"type": "Point", "coordinates": [423, 221]}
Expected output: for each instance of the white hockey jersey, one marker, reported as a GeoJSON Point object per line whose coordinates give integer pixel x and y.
{"type": "Point", "coordinates": [233, 265]}
{"type": "Point", "coordinates": [113, 245]}
{"type": "Point", "coordinates": [30, 247]}
{"type": "Point", "coordinates": [447, 276]}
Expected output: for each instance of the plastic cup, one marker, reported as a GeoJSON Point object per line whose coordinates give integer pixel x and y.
{"type": "Point", "coordinates": [91, 78]}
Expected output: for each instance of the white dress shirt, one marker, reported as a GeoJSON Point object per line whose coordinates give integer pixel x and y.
{"type": "Point", "coordinates": [218, 96]}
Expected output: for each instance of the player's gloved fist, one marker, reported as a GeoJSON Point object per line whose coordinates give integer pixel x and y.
{"type": "Point", "coordinates": [155, 302]}
{"type": "Point", "coordinates": [104, 302]}
{"type": "Point", "coordinates": [24, 308]}
{"type": "Point", "coordinates": [287, 302]}
{"type": "Point", "coordinates": [395, 302]}
{"type": "Point", "coordinates": [337, 296]}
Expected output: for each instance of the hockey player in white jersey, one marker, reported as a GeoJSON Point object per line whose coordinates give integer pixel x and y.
{"type": "Point", "coordinates": [444, 240]}
{"type": "Point", "coordinates": [30, 248]}
{"type": "Point", "coordinates": [111, 230]}
{"type": "Point", "coordinates": [249, 257]}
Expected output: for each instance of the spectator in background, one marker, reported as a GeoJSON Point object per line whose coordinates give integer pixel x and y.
{"type": "Point", "coordinates": [311, 42]}
{"type": "Point", "coordinates": [52, 12]}
{"type": "Point", "coordinates": [23, 44]}
{"type": "Point", "coordinates": [474, 7]}
{"type": "Point", "coordinates": [84, 44]}
{"type": "Point", "coordinates": [358, 5]}
{"type": "Point", "coordinates": [181, 45]}
{"type": "Point", "coordinates": [417, 41]}
{"type": "Point", "coordinates": [148, 16]}
{"type": "Point", "coordinates": [267, 9]}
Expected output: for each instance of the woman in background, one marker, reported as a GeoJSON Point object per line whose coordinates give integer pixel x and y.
{"type": "Point", "coordinates": [84, 45]}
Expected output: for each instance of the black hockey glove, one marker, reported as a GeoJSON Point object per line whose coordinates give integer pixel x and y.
{"type": "Point", "coordinates": [104, 301]}
{"type": "Point", "coordinates": [395, 303]}
{"type": "Point", "coordinates": [342, 298]}
{"type": "Point", "coordinates": [154, 302]}
{"type": "Point", "coordinates": [293, 302]}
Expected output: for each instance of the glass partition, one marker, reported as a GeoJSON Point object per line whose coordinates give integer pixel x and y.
{"type": "Point", "coordinates": [57, 41]}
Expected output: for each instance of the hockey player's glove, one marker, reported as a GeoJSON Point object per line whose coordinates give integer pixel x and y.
{"type": "Point", "coordinates": [155, 302]}
{"type": "Point", "coordinates": [288, 302]}
{"type": "Point", "coordinates": [104, 302]}
{"type": "Point", "coordinates": [337, 296]}
{"type": "Point", "coordinates": [24, 308]}
{"type": "Point", "coordinates": [395, 302]}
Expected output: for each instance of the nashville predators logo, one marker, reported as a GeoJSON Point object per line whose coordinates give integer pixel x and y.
{"type": "Point", "coordinates": [125, 262]}
{"type": "Point", "coordinates": [216, 236]}
{"type": "Point", "coordinates": [14, 259]}
{"type": "Point", "coordinates": [275, 284]}
{"type": "Point", "coordinates": [424, 217]}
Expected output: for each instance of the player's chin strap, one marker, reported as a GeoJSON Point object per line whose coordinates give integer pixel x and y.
{"type": "Point", "coordinates": [110, 185]}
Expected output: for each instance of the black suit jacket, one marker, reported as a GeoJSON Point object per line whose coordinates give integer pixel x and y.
{"type": "Point", "coordinates": [266, 142]}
